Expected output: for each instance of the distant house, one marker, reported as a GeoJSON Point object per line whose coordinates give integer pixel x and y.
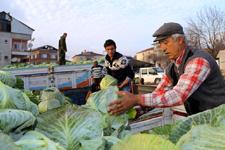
{"type": "Point", "coordinates": [44, 54]}
{"type": "Point", "coordinates": [86, 55]}
{"type": "Point", "coordinates": [150, 55]}
{"type": "Point", "coordinates": [14, 36]}
{"type": "Point", "coordinates": [221, 59]}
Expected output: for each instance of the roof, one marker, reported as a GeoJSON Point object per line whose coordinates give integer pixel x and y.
{"type": "Point", "coordinates": [148, 49]}
{"type": "Point", "coordinates": [45, 47]}
{"type": "Point", "coordinates": [16, 19]}
{"type": "Point", "coordinates": [87, 53]}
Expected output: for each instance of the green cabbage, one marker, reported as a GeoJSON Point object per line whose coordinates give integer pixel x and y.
{"type": "Point", "coordinates": [13, 120]}
{"type": "Point", "coordinates": [144, 142]}
{"type": "Point", "coordinates": [107, 81]}
{"type": "Point", "coordinates": [214, 117]}
{"type": "Point", "coordinates": [69, 124]}
{"type": "Point", "coordinates": [50, 98]}
{"type": "Point", "coordinates": [19, 83]}
{"type": "Point", "coordinates": [203, 137]}
{"type": "Point", "coordinates": [7, 78]}
{"type": "Point", "coordinates": [34, 140]}
{"type": "Point", "coordinates": [14, 98]}
{"type": "Point", "coordinates": [6, 143]}
{"type": "Point", "coordinates": [100, 101]}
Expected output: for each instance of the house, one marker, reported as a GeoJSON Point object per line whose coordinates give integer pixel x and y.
{"type": "Point", "coordinates": [153, 56]}
{"type": "Point", "coordinates": [14, 36]}
{"type": "Point", "coordinates": [44, 54]}
{"type": "Point", "coordinates": [86, 56]}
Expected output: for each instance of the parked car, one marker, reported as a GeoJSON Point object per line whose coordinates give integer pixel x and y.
{"type": "Point", "coordinates": [150, 74]}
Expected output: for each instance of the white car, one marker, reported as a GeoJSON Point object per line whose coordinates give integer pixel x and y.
{"type": "Point", "coordinates": [150, 74]}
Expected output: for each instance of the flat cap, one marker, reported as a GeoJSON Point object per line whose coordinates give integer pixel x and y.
{"type": "Point", "coordinates": [166, 30]}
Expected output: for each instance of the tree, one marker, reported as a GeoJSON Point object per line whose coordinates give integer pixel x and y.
{"type": "Point", "coordinates": [207, 31]}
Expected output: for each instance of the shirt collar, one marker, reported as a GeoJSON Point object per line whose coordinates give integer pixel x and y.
{"type": "Point", "coordinates": [179, 59]}
{"type": "Point", "coordinates": [115, 56]}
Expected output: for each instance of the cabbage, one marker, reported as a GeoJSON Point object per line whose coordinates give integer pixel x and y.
{"type": "Point", "coordinates": [99, 143]}
{"type": "Point", "coordinates": [7, 78]}
{"type": "Point", "coordinates": [19, 83]}
{"type": "Point", "coordinates": [100, 101]}
{"type": "Point", "coordinates": [6, 143]}
{"type": "Point", "coordinates": [69, 124]}
{"type": "Point", "coordinates": [33, 96]}
{"type": "Point", "coordinates": [14, 98]}
{"type": "Point", "coordinates": [34, 140]}
{"type": "Point", "coordinates": [144, 142]}
{"type": "Point", "coordinates": [13, 120]}
{"type": "Point", "coordinates": [107, 81]}
{"type": "Point", "coordinates": [214, 117]}
{"type": "Point", "coordinates": [50, 98]}
{"type": "Point", "coordinates": [203, 137]}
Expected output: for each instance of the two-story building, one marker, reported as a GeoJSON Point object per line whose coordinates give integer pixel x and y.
{"type": "Point", "coordinates": [44, 54]}
{"type": "Point", "coordinates": [153, 56]}
{"type": "Point", "coordinates": [87, 55]}
{"type": "Point", "coordinates": [14, 36]}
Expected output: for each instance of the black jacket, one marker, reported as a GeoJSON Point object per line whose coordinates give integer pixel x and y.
{"type": "Point", "coordinates": [119, 67]}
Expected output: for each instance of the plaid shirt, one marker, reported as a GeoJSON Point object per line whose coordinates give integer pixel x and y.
{"type": "Point", "coordinates": [166, 95]}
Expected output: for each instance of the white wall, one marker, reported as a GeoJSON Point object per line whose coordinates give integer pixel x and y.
{"type": "Point", "coordinates": [221, 57]}
{"type": "Point", "coordinates": [18, 27]}
{"type": "Point", "coordinates": [5, 48]}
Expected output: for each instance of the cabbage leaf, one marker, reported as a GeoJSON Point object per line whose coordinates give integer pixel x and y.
{"type": "Point", "coordinates": [213, 117]}
{"type": "Point", "coordinates": [108, 81]}
{"type": "Point", "coordinates": [34, 140]}
{"type": "Point", "coordinates": [7, 78]}
{"type": "Point", "coordinates": [144, 142]}
{"type": "Point", "coordinates": [13, 120]}
{"type": "Point", "coordinates": [14, 98]}
{"type": "Point", "coordinates": [71, 125]}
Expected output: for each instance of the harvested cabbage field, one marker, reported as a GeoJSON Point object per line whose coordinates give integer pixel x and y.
{"type": "Point", "coordinates": [49, 121]}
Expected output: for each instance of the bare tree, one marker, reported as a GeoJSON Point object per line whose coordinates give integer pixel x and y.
{"type": "Point", "coordinates": [207, 31]}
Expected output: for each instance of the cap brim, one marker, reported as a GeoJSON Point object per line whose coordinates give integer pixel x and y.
{"type": "Point", "coordinates": [160, 38]}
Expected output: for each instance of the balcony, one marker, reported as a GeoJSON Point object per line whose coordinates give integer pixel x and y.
{"type": "Point", "coordinates": [21, 52]}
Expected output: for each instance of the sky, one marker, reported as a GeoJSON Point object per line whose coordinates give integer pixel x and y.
{"type": "Point", "coordinates": [88, 23]}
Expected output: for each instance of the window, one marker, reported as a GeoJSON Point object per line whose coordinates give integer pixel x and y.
{"type": "Point", "coordinates": [53, 56]}
{"type": "Point", "coordinates": [24, 46]}
{"type": "Point", "coordinates": [5, 26]}
{"type": "Point", "coordinates": [152, 71]}
{"type": "Point", "coordinates": [6, 57]}
{"type": "Point", "coordinates": [6, 41]}
{"type": "Point", "coordinates": [144, 71]}
{"type": "Point", "coordinates": [16, 46]}
{"type": "Point", "coordinates": [44, 56]}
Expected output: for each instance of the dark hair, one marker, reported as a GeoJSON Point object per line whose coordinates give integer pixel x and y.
{"type": "Point", "coordinates": [109, 42]}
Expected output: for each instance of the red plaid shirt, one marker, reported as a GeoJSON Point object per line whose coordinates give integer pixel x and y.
{"type": "Point", "coordinates": [165, 95]}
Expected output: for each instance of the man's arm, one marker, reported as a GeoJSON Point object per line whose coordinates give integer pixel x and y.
{"type": "Point", "coordinates": [196, 71]}
{"type": "Point", "coordinates": [130, 76]}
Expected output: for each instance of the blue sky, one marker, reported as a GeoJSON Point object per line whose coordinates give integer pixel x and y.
{"type": "Point", "coordinates": [89, 23]}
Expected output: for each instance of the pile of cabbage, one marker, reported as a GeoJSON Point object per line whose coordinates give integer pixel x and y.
{"type": "Point", "coordinates": [51, 122]}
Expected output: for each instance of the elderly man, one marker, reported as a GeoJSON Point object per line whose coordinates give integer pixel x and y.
{"type": "Point", "coordinates": [193, 78]}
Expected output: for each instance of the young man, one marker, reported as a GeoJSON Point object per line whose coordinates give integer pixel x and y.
{"type": "Point", "coordinates": [118, 66]}
{"type": "Point", "coordinates": [97, 73]}
{"type": "Point", "coordinates": [193, 78]}
{"type": "Point", "coordinates": [62, 50]}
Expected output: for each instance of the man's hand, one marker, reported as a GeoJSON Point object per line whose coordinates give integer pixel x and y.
{"type": "Point", "coordinates": [119, 106]}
